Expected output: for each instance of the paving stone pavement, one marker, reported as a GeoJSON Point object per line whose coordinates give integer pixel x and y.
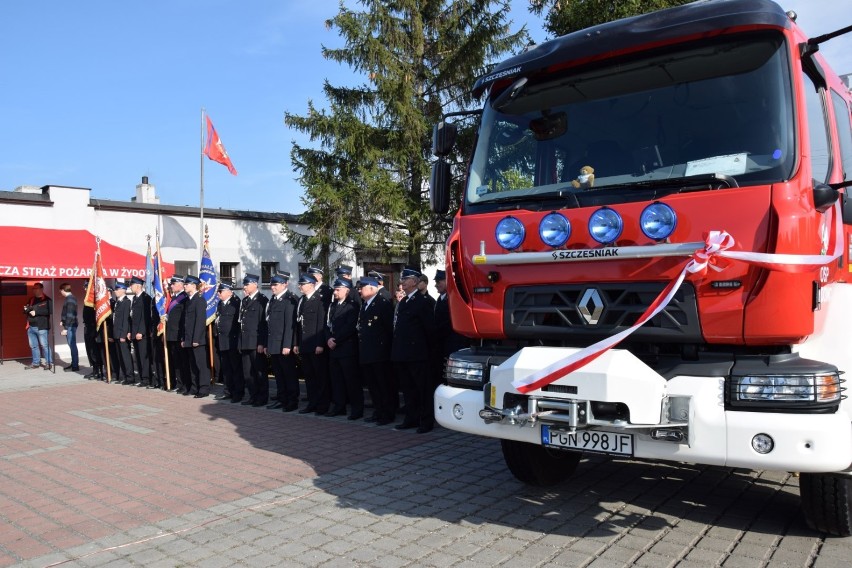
{"type": "Point", "coordinates": [108, 475]}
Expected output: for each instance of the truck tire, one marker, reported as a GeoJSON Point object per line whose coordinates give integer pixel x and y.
{"type": "Point", "coordinates": [538, 465]}
{"type": "Point", "coordinates": [827, 502]}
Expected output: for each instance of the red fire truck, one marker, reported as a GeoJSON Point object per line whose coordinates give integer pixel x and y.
{"type": "Point", "coordinates": [652, 252]}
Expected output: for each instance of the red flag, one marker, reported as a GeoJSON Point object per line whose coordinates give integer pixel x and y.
{"type": "Point", "coordinates": [97, 295]}
{"type": "Point", "coordinates": [215, 150]}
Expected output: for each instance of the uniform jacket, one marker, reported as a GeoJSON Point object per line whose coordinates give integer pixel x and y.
{"type": "Point", "coordinates": [140, 315]}
{"type": "Point", "coordinates": [175, 322]}
{"type": "Point", "coordinates": [343, 327]}
{"type": "Point", "coordinates": [311, 317]}
{"type": "Point", "coordinates": [386, 294]}
{"type": "Point", "coordinates": [281, 320]}
{"type": "Point", "coordinates": [415, 326]}
{"type": "Point", "coordinates": [375, 330]}
{"type": "Point", "coordinates": [195, 321]}
{"type": "Point", "coordinates": [326, 293]}
{"type": "Point", "coordinates": [448, 341]}
{"type": "Point", "coordinates": [253, 329]}
{"type": "Point", "coordinates": [121, 318]}
{"type": "Point", "coordinates": [228, 324]}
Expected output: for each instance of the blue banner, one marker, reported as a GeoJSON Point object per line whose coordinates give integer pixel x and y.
{"type": "Point", "coordinates": [207, 275]}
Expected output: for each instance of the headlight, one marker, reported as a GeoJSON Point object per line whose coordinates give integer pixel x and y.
{"type": "Point", "coordinates": [787, 389]}
{"type": "Point", "coordinates": [510, 233]}
{"type": "Point", "coordinates": [554, 229]}
{"type": "Point", "coordinates": [658, 221]}
{"type": "Point", "coordinates": [460, 370]}
{"type": "Point", "coordinates": [605, 225]}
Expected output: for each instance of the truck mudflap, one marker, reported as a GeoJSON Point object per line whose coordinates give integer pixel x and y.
{"type": "Point", "coordinates": [680, 419]}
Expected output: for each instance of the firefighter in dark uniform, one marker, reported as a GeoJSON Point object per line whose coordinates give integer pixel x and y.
{"type": "Point", "coordinates": [342, 342]}
{"type": "Point", "coordinates": [375, 334]}
{"type": "Point", "coordinates": [383, 291]}
{"type": "Point", "coordinates": [447, 341]}
{"type": "Point", "coordinates": [321, 287]}
{"type": "Point", "coordinates": [175, 319]}
{"type": "Point", "coordinates": [413, 329]}
{"type": "Point", "coordinates": [253, 339]}
{"type": "Point", "coordinates": [344, 272]}
{"type": "Point", "coordinates": [281, 321]}
{"type": "Point", "coordinates": [310, 345]}
{"type": "Point", "coordinates": [94, 348]}
{"type": "Point", "coordinates": [140, 330]}
{"type": "Point", "coordinates": [227, 343]}
{"type": "Point", "coordinates": [121, 332]}
{"type": "Point", "coordinates": [194, 339]}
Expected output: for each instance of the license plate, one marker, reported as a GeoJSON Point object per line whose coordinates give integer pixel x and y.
{"type": "Point", "coordinates": [613, 443]}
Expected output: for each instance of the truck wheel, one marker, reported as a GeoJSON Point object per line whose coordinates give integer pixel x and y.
{"type": "Point", "coordinates": [827, 502]}
{"type": "Point", "coordinates": [538, 465]}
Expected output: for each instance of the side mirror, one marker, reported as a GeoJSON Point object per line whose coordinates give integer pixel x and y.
{"type": "Point", "coordinates": [439, 187]}
{"type": "Point", "coordinates": [846, 209]}
{"type": "Point", "coordinates": [824, 197]}
{"type": "Point", "coordinates": [443, 138]}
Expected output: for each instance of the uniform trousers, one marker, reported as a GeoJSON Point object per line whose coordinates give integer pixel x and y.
{"type": "Point", "coordinates": [345, 379]}
{"type": "Point", "coordinates": [382, 390]}
{"type": "Point", "coordinates": [231, 372]}
{"type": "Point", "coordinates": [125, 360]}
{"type": "Point", "coordinates": [198, 368]}
{"type": "Point", "coordinates": [179, 367]}
{"type": "Point", "coordinates": [315, 369]}
{"type": "Point", "coordinates": [286, 380]}
{"type": "Point", "coordinates": [418, 390]}
{"type": "Point", "coordinates": [254, 373]}
{"type": "Point", "coordinates": [143, 361]}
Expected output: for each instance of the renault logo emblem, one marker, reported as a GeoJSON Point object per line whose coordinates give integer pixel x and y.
{"type": "Point", "coordinates": [591, 306]}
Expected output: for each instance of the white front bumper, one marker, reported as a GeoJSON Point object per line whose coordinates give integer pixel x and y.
{"type": "Point", "coordinates": [803, 442]}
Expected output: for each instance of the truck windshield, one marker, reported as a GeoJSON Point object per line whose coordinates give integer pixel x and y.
{"type": "Point", "coordinates": [720, 107]}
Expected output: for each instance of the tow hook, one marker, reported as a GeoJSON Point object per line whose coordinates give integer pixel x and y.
{"type": "Point", "coordinates": [514, 416]}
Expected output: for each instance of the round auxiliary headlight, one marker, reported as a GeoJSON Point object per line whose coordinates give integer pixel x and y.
{"type": "Point", "coordinates": [762, 443]}
{"type": "Point", "coordinates": [458, 411]}
{"type": "Point", "coordinates": [510, 233]}
{"type": "Point", "coordinates": [554, 229]}
{"type": "Point", "coordinates": [605, 225]}
{"type": "Point", "coordinates": [658, 221]}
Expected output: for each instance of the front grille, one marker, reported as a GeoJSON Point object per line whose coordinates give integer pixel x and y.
{"type": "Point", "coordinates": [588, 312]}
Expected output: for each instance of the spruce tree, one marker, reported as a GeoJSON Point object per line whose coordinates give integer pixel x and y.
{"type": "Point", "coordinates": [366, 169]}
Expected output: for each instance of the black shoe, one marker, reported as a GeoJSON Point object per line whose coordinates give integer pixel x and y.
{"type": "Point", "coordinates": [236, 400]}
{"type": "Point", "coordinates": [199, 395]}
{"type": "Point", "coordinates": [424, 429]}
{"type": "Point", "coordinates": [405, 426]}
{"type": "Point", "coordinates": [383, 422]}
{"type": "Point", "coordinates": [127, 382]}
{"type": "Point", "coordinates": [152, 387]}
{"type": "Point", "coordinates": [248, 402]}
{"type": "Point", "coordinates": [275, 405]}
{"type": "Point", "coordinates": [186, 393]}
{"type": "Point", "coordinates": [222, 396]}
{"type": "Point", "coordinates": [71, 369]}
{"type": "Point", "coordinates": [142, 385]}
{"type": "Point", "coordinates": [90, 376]}
{"type": "Point", "coordinates": [259, 403]}
{"type": "Point", "coordinates": [307, 410]}
{"type": "Point", "coordinates": [372, 418]}
{"type": "Point", "coordinates": [290, 407]}
{"type": "Point", "coordinates": [332, 412]}
{"type": "Point", "coordinates": [355, 417]}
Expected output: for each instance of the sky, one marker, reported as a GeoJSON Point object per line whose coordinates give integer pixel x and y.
{"type": "Point", "coordinates": [99, 93]}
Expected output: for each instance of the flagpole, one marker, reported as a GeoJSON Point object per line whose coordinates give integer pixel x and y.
{"type": "Point", "coordinates": [201, 195]}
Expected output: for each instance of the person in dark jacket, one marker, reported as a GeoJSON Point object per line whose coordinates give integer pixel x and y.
{"type": "Point", "coordinates": [140, 330]}
{"type": "Point", "coordinates": [228, 342]}
{"type": "Point", "coordinates": [178, 363]}
{"type": "Point", "coordinates": [121, 334]}
{"type": "Point", "coordinates": [375, 334]}
{"type": "Point", "coordinates": [413, 330]}
{"type": "Point", "coordinates": [254, 335]}
{"type": "Point", "coordinates": [38, 310]}
{"type": "Point", "coordinates": [281, 321]}
{"type": "Point", "coordinates": [93, 341]}
{"type": "Point", "coordinates": [310, 345]}
{"type": "Point", "coordinates": [68, 321]}
{"type": "Point", "coordinates": [342, 342]}
{"type": "Point", "coordinates": [195, 338]}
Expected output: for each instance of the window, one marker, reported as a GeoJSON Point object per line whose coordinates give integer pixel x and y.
{"type": "Point", "coordinates": [186, 267]}
{"type": "Point", "coordinates": [228, 271]}
{"type": "Point", "coordinates": [844, 133]}
{"type": "Point", "coordinates": [267, 269]}
{"type": "Point", "coordinates": [817, 131]}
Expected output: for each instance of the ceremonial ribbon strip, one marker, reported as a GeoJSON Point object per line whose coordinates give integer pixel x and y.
{"type": "Point", "coordinates": [716, 248]}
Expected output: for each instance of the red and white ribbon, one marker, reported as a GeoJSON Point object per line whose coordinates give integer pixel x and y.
{"type": "Point", "coordinates": [716, 249]}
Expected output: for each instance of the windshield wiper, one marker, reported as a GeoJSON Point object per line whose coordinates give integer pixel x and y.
{"type": "Point", "coordinates": [686, 183]}
{"type": "Point", "coordinates": [533, 198]}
